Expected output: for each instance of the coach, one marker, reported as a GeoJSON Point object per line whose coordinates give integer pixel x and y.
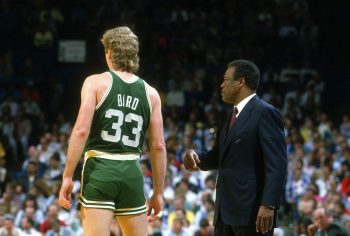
{"type": "Point", "coordinates": [250, 155]}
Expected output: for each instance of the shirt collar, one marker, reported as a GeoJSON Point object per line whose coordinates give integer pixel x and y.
{"type": "Point", "coordinates": [244, 102]}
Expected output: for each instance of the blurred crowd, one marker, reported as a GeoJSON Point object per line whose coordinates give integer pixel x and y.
{"type": "Point", "coordinates": [185, 47]}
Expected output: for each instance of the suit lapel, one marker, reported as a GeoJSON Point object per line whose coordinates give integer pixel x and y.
{"type": "Point", "coordinates": [239, 124]}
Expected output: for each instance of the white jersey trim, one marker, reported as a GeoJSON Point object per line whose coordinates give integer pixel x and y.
{"type": "Point", "coordinates": [111, 156]}
{"type": "Point", "coordinates": [133, 79]}
{"type": "Point", "coordinates": [131, 209]}
{"type": "Point", "coordinates": [107, 91]}
{"type": "Point", "coordinates": [95, 206]}
{"type": "Point", "coordinates": [96, 202]}
{"type": "Point", "coordinates": [130, 213]}
{"type": "Point", "coordinates": [148, 97]}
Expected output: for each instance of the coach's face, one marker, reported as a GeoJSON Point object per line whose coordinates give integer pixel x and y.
{"type": "Point", "coordinates": [229, 87]}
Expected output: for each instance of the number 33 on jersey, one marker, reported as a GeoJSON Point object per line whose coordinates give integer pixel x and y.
{"type": "Point", "coordinates": [121, 118]}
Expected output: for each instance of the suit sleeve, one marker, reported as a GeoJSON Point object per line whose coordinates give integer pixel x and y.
{"type": "Point", "coordinates": [272, 140]}
{"type": "Point", "coordinates": [209, 160]}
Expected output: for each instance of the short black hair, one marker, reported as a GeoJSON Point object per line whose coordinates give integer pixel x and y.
{"type": "Point", "coordinates": [247, 70]}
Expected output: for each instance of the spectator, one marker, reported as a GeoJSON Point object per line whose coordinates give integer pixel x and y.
{"type": "Point", "coordinates": [345, 126]}
{"type": "Point", "coordinates": [9, 229]}
{"type": "Point", "coordinates": [204, 212]}
{"type": "Point", "coordinates": [205, 229]}
{"type": "Point", "coordinates": [340, 212]}
{"type": "Point", "coordinates": [58, 229]}
{"type": "Point", "coordinates": [54, 170]}
{"type": "Point", "coordinates": [76, 225]}
{"type": "Point", "coordinates": [31, 210]}
{"type": "Point", "coordinates": [326, 181]}
{"type": "Point", "coordinates": [179, 206]}
{"type": "Point", "coordinates": [6, 201]}
{"type": "Point", "coordinates": [33, 156]}
{"type": "Point", "coordinates": [169, 193]}
{"type": "Point", "coordinates": [18, 195]}
{"type": "Point", "coordinates": [31, 107]}
{"type": "Point", "coordinates": [52, 221]}
{"type": "Point", "coordinates": [27, 227]}
{"type": "Point", "coordinates": [28, 177]}
{"type": "Point", "coordinates": [44, 149]}
{"type": "Point", "coordinates": [178, 228]}
{"type": "Point", "coordinates": [295, 187]}
{"type": "Point", "coordinates": [324, 224]}
{"type": "Point", "coordinates": [183, 189]}
{"type": "Point", "coordinates": [307, 204]}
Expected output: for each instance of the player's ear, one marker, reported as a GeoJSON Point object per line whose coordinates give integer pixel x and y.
{"type": "Point", "coordinates": [108, 55]}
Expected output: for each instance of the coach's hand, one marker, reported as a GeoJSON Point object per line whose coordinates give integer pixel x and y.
{"type": "Point", "coordinates": [155, 207]}
{"type": "Point", "coordinates": [65, 192]}
{"type": "Point", "coordinates": [191, 160]}
{"type": "Point", "coordinates": [264, 221]}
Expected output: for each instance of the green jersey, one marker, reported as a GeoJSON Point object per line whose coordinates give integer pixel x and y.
{"type": "Point", "coordinates": [121, 119]}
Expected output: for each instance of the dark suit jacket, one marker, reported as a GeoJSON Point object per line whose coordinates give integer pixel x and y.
{"type": "Point", "coordinates": [252, 163]}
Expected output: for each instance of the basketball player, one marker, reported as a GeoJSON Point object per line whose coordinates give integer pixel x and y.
{"type": "Point", "coordinates": [117, 108]}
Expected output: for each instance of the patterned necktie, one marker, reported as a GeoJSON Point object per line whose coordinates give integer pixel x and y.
{"type": "Point", "coordinates": [233, 117]}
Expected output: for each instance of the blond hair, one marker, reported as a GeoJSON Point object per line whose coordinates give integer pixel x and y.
{"type": "Point", "coordinates": [124, 47]}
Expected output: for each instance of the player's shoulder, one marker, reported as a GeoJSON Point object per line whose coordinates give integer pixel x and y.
{"type": "Point", "coordinates": [151, 90]}
{"type": "Point", "coordinates": [94, 77]}
{"type": "Point", "coordinates": [97, 80]}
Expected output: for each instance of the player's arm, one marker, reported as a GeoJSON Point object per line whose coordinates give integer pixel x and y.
{"type": "Point", "coordinates": [158, 156]}
{"type": "Point", "coordinates": [78, 138]}
{"type": "Point", "coordinates": [156, 142]}
{"type": "Point", "coordinates": [82, 126]}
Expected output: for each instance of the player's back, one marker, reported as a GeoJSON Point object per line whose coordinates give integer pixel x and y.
{"type": "Point", "coordinates": [121, 119]}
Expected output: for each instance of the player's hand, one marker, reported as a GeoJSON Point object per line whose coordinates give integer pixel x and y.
{"type": "Point", "coordinates": [65, 192]}
{"type": "Point", "coordinates": [191, 160]}
{"type": "Point", "coordinates": [155, 207]}
{"type": "Point", "coordinates": [264, 221]}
